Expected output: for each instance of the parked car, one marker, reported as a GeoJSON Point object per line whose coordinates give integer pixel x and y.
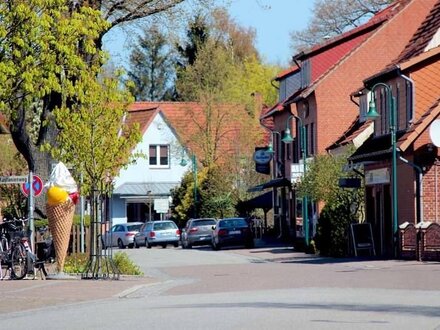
{"type": "Point", "coordinates": [121, 235]}
{"type": "Point", "coordinates": [158, 233]}
{"type": "Point", "coordinates": [197, 232]}
{"type": "Point", "coordinates": [232, 232]}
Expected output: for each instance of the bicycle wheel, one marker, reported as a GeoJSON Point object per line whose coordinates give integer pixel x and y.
{"type": "Point", "coordinates": [19, 262]}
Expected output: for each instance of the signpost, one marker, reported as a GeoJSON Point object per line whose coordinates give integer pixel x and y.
{"type": "Point", "coordinates": [37, 187]}
{"type": "Point", "coordinates": [30, 191]}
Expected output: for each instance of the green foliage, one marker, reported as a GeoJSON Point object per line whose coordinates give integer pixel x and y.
{"type": "Point", "coordinates": [342, 205]}
{"type": "Point", "coordinates": [150, 66]}
{"type": "Point", "coordinates": [322, 178]}
{"type": "Point", "coordinates": [125, 265]}
{"type": "Point", "coordinates": [216, 198]}
{"type": "Point", "coordinates": [77, 262]}
{"type": "Point", "coordinates": [333, 228]}
{"type": "Point", "coordinates": [77, 220]}
{"type": "Point", "coordinates": [94, 139]}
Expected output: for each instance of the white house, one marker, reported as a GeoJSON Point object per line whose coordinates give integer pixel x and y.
{"type": "Point", "coordinates": [142, 191]}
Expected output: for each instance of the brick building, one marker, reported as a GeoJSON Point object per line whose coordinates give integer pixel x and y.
{"type": "Point", "coordinates": [318, 88]}
{"type": "Point", "coordinates": [413, 80]}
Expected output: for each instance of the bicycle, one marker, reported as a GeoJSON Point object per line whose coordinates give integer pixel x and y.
{"type": "Point", "coordinates": [14, 248]}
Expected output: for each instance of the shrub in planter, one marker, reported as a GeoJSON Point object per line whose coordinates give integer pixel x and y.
{"type": "Point", "coordinates": [76, 264]}
{"type": "Point", "coordinates": [333, 229]}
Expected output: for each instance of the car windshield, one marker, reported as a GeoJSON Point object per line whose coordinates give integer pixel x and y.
{"type": "Point", "coordinates": [134, 227]}
{"type": "Point", "coordinates": [233, 223]}
{"type": "Point", "coordinates": [204, 222]}
{"type": "Point", "coordinates": [164, 225]}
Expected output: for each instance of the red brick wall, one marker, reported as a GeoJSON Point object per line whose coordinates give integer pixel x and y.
{"type": "Point", "coordinates": [431, 192]}
{"type": "Point", "coordinates": [335, 111]}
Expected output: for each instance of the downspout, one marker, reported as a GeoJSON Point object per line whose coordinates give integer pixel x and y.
{"type": "Point", "coordinates": [413, 92]}
{"type": "Point", "coordinates": [419, 196]}
{"type": "Point", "coordinates": [419, 190]}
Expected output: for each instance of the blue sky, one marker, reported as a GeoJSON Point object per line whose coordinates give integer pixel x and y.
{"type": "Point", "coordinates": [273, 21]}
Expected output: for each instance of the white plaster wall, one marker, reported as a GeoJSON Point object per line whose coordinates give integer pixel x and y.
{"type": "Point", "coordinates": [157, 133]}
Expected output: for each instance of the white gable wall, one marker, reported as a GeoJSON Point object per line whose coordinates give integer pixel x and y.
{"type": "Point", "coordinates": [157, 133]}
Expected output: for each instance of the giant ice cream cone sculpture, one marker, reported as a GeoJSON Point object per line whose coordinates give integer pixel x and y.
{"type": "Point", "coordinates": [60, 218]}
{"type": "Point", "coordinates": [62, 196]}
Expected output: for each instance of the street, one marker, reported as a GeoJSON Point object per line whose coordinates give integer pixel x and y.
{"type": "Point", "coordinates": [261, 288]}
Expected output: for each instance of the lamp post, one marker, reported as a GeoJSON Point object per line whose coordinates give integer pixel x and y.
{"type": "Point", "coordinates": [303, 137]}
{"type": "Point", "coordinates": [373, 114]}
{"type": "Point", "coordinates": [183, 162]}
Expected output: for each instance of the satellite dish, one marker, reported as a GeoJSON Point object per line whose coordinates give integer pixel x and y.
{"type": "Point", "coordinates": [434, 132]}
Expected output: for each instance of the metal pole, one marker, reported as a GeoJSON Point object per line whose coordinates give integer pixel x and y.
{"type": "Point", "coordinates": [305, 209]}
{"type": "Point", "coordinates": [31, 210]}
{"type": "Point", "coordinates": [194, 161]}
{"type": "Point", "coordinates": [81, 215]}
{"type": "Point", "coordinates": [305, 200]}
{"type": "Point", "coordinates": [393, 129]}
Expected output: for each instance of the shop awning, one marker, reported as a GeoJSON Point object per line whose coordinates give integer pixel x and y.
{"type": "Point", "coordinates": [264, 201]}
{"type": "Point", "coordinates": [142, 189]}
{"type": "Point", "coordinates": [280, 182]}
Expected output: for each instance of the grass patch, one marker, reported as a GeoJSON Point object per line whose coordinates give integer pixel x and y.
{"type": "Point", "coordinates": [76, 264]}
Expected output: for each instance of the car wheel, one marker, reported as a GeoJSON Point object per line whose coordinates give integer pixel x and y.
{"type": "Point", "coordinates": [147, 244]}
{"type": "Point", "coordinates": [135, 244]}
{"type": "Point", "coordinates": [250, 245]}
{"type": "Point", "coordinates": [189, 246]}
{"type": "Point", "coordinates": [164, 246]}
{"type": "Point", "coordinates": [176, 244]}
{"type": "Point", "coordinates": [130, 246]}
{"type": "Point", "coordinates": [120, 244]}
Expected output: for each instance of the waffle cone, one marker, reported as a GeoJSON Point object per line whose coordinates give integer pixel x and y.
{"type": "Point", "coordinates": [60, 218]}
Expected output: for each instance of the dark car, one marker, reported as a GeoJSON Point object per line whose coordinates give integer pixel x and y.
{"type": "Point", "coordinates": [197, 232]}
{"type": "Point", "coordinates": [232, 232]}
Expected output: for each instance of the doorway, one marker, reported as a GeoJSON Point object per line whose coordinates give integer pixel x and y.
{"type": "Point", "coordinates": [379, 214]}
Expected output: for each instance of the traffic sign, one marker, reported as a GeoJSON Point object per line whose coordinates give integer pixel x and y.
{"type": "Point", "coordinates": [37, 186]}
{"type": "Point", "coordinates": [13, 179]}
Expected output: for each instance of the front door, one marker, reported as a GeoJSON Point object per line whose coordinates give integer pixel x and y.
{"type": "Point", "coordinates": [380, 216]}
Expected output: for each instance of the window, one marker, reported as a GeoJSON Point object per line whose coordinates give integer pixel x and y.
{"type": "Point", "coordinates": [159, 156]}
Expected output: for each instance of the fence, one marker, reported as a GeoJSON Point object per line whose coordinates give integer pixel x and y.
{"type": "Point", "coordinates": [75, 239]}
{"type": "Point", "coordinates": [421, 241]}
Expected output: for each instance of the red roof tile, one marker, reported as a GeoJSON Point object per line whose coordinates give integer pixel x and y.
{"type": "Point", "coordinates": [422, 36]}
{"type": "Point", "coordinates": [413, 133]}
{"type": "Point", "coordinates": [188, 119]}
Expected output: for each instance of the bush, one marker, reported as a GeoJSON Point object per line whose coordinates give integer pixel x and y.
{"type": "Point", "coordinates": [125, 265]}
{"type": "Point", "coordinates": [332, 231]}
{"type": "Point", "coordinates": [77, 262]}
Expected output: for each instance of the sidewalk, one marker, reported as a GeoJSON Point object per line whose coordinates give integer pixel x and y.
{"type": "Point", "coordinates": [29, 294]}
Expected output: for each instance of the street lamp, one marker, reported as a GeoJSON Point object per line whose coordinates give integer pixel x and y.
{"type": "Point", "coordinates": [303, 137]}
{"type": "Point", "coordinates": [373, 114]}
{"type": "Point", "coordinates": [183, 162]}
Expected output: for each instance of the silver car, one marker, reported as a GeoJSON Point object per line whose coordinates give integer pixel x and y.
{"type": "Point", "coordinates": [197, 232]}
{"type": "Point", "coordinates": [121, 235]}
{"type": "Point", "coordinates": [158, 233]}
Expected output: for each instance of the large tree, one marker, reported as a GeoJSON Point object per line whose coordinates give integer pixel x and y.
{"type": "Point", "coordinates": [151, 66]}
{"type": "Point", "coordinates": [45, 44]}
{"type": "Point", "coordinates": [333, 17]}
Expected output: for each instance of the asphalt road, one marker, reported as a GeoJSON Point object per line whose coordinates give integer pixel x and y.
{"type": "Point", "coordinates": [263, 288]}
